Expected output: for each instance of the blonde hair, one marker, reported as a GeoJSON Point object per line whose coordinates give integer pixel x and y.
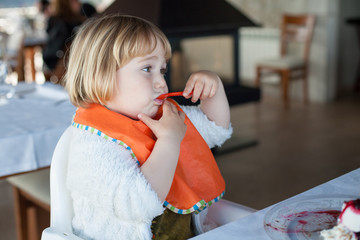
{"type": "Point", "coordinates": [100, 48]}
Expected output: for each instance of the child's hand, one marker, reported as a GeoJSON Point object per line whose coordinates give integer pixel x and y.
{"type": "Point", "coordinates": [170, 126]}
{"type": "Point", "coordinates": [159, 168]}
{"type": "Point", "coordinates": [203, 84]}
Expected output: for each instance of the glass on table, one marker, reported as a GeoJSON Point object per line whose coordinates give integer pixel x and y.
{"type": "Point", "coordinates": [7, 90]}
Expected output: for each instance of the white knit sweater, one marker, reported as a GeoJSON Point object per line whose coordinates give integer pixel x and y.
{"type": "Point", "coordinates": [111, 197]}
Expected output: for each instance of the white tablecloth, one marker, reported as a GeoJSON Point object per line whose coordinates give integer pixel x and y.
{"type": "Point", "coordinates": [30, 125]}
{"type": "Point", "coordinates": [252, 228]}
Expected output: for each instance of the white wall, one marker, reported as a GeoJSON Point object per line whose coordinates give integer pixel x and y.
{"type": "Point", "coordinates": [324, 50]}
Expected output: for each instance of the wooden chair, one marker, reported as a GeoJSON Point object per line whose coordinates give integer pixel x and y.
{"type": "Point", "coordinates": [296, 33]}
{"type": "Point", "coordinates": [31, 202]}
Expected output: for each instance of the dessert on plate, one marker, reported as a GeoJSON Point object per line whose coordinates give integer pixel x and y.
{"type": "Point", "coordinates": [348, 226]}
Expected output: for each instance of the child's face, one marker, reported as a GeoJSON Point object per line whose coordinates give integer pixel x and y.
{"type": "Point", "coordinates": [139, 83]}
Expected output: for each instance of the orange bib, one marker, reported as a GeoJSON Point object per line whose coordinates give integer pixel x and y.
{"type": "Point", "coordinates": [197, 181]}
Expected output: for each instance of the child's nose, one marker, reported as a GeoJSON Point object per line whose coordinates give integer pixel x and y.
{"type": "Point", "coordinates": [160, 82]}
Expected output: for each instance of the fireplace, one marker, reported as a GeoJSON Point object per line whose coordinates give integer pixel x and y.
{"type": "Point", "coordinates": [202, 20]}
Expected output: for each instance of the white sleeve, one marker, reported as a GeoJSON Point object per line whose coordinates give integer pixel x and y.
{"type": "Point", "coordinates": [105, 173]}
{"type": "Point", "coordinates": [213, 134]}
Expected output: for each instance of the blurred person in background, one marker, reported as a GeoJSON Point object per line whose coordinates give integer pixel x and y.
{"type": "Point", "coordinates": [44, 7]}
{"type": "Point", "coordinates": [88, 10]}
{"type": "Point", "coordinates": [64, 18]}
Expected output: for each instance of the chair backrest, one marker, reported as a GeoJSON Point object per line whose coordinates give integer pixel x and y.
{"type": "Point", "coordinates": [299, 29]}
{"type": "Point", "coordinates": [61, 209]}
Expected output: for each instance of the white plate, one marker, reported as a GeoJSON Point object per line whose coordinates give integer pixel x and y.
{"type": "Point", "coordinates": [304, 218]}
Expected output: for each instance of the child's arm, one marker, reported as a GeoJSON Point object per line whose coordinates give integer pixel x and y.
{"type": "Point", "coordinates": [159, 168]}
{"type": "Point", "coordinates": [207, 87]}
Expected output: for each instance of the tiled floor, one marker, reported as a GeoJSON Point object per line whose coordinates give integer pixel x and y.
{"type": "Point", "coordinates": [298, 148]}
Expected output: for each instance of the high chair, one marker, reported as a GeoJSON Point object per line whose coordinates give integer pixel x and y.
{"type": "Point", "coordinates": [61, 203]}
{"type": "Point", "coordinates": [61, 211]}
{"type": "Point", "coordinates": [296, 32]}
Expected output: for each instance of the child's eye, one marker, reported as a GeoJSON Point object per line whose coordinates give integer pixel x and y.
{"type": "Point", "coordinates": [163, 71]}
{"type": "Point", "coordinates": [146, 69]}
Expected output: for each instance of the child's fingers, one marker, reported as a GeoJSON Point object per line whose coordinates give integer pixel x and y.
{"type": "Point", "coordinates": [194, 86]}
{"type": "Point", "coordinates": [171, 109]}
{"type": "Point", "coordinates": [188, 89]}
{"type": "Point", "coordinates": [206, 92]}
{"type": "Point", "coordinates": [211, 92]}
{"type": "Point", "coordinates": [198, 90]}
{"type": "Point", "coordinates": [147, 120]}
{"type": "Point", "coordinates": [168, 106]}
{"type": "Point", "coordinates": [202, 84]}
{"type": "Point", "coordinates": [214, 89]}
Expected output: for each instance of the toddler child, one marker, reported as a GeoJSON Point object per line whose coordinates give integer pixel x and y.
{"type": "Point", "coordinates": [139, 167]}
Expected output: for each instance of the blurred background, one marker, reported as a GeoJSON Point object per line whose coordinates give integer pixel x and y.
{"type": "Point", "coordinates": [277, 151]}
